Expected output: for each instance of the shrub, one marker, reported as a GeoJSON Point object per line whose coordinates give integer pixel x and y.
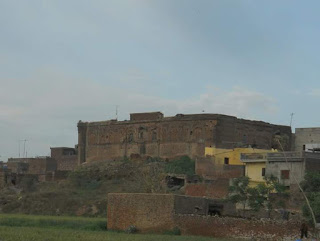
{"type": "Point", "coordinates": [183, 165]}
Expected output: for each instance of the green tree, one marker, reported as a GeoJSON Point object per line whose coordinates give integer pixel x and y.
{"type": "Point", "coordinates": [183, 165]}
{"type": "Point", "coordinates": [271, 194]}
{"type": "Point", "coordinates": [311, 186]}
{"type": "Point", "coordinates": [240, 192]}
{"type": "Point", "coordinates": [268, 195]}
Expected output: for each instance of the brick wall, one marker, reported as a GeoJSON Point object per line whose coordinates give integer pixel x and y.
{"type": "Point", "coordinates": [170, 136]}
{"type": "Point", "coordinates": [228, 227]}
{"type": "Point", "coordinates": [146, 212]}
{"type": "Point", "coordinates": [163, 212]}
{"type": "Point", "coordinates": [2, 178]}
{"type": "Point", "coordinates": [206, 168]}
{"type": "Point", "coordinates": [67, 158]}
{"type": "Point", "coordinates": [146, 116]}
{"type": "Point", "coordinates": [216, 189]}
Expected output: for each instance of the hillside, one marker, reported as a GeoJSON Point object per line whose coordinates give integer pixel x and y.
{"type": "Point", "coordinates": [84, 192]}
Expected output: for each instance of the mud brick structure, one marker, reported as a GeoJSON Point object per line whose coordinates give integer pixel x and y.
{"type": "Point", "coordinates": [156, 212]}
{"type": "Point", "coordinates": [163, 212]}
{"type": "Point", "coordinates": [215, 189]}
{"type": "Point", "coordinates": [3, 177]}
{"type": "Point", "coordinates": [39, 166]}
{"type": "Point", "coordinates": [153, 135]}
{"type": "Point", "coordinates": [208, 169]}
{"type": "Point", "coordinates": [66, 157]}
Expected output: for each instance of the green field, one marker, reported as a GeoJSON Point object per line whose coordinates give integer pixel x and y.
{"type": "Point", "coordinates": [49, 228]}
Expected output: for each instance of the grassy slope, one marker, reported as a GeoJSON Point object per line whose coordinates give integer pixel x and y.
{"type": "Point", "coordinates": [84, 193]}
{"type": "Point", "coordinates": [49, 234]}
{"type": "Point", "coordinates": [76, 223]}
{"type": "Point", "coordinates": [49, 228]}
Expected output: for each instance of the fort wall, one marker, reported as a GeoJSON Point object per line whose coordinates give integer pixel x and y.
{"type": "Point", "coordinates": [151, 134]}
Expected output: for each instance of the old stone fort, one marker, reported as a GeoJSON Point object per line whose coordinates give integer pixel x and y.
{"type": "Point", "coordinates": [153, 135]}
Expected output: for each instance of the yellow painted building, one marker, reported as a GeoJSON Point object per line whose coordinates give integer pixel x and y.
{"type": "Point", "coordinates": [255, 161]}
{"type": "Point", "coordinates": [231, 156]}
{"type": "Point", "coordinates": [256, 172]}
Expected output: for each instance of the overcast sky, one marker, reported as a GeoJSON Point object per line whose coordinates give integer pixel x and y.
{"type": "Point", "coordinates": [65, 61]}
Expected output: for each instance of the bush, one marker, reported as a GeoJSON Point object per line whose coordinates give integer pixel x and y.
{"type": "Point", "coordinates": [28, 183]}
{"type": "Point", "coordinates": [183, 165]}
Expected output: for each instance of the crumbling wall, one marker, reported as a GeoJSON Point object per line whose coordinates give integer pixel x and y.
{"type": "Point", "coordinates": [227, 227]}
{"type": "Point", "coordinates": [67, 158]}
{"type": "Point", "coordinates": [3, 178]}
{"type": "Point", "coordinates": [163, 212]}
{"type": "Point", "coordinates": [215, 189]}
{"type": "Point", "coordinates": [169, 137]}
{"type": "Point", "coordinates": [146, 116]}
{"type": "Point", "coordinates": [207, 168]}
{"type": "Point", "coordinates": [145, 211]}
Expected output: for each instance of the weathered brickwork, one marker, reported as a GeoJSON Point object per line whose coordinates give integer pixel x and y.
{"type": "Point", "coordinates": [163, 212]}
{"type": "Point", "coordinates": [151, 134]}
{"type": "Point", "coordinates": [144, 211]}
{"type": "Point", "coordinates": [206, 168]}
{"type": "Point", "coordinates": [67, 158]}
{"type": "Point", "coordinates": [227, 227]}
{"type": "Point", "coordinates": [39, 166]}
{"type": "Point", "coordinates": [216, 189]}
{"type": "Point", "coordinates": [3, 178]}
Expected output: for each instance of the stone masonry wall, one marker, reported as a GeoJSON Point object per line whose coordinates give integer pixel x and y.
{"type": "Point", "coordinates": [171, 136]}
{"type": "Point", "coordinates": [67, 158]}
{"type": "Point", "coordinates": [35, 166]}
{"type": "Point", "coordinates": [67, 163]}
{"type": "Point", "coordinates": [228, 227]}
{"type": "Point", "coordinates": [163, 212]}
{"type": "Point", "coordinates": [144, 211]}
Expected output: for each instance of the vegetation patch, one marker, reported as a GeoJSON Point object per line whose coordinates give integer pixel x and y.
{"type": "Point", "coordinates": [77, 223]}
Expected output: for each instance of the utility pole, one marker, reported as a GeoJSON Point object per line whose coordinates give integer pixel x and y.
{"type": "Point", "coordinates": [24, 147]}
{"type": "Point", "coordinates": [292, 114]}
{"type": "Point", "coordinates": [20, 148]}
{"type": "Point", "coordinates": [117, 112]}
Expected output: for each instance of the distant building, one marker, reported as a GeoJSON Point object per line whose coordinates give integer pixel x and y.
{"type": "Point", "coordinates": [288, 167]}
{"type": "Point", "coordinates": [38, 166]}
{"type": "Point", "coordinates": [307, 139]}
{"type": "Point", "coordinates": [153, 135]}
{"type": "Point", "coordinates": [66, 157]}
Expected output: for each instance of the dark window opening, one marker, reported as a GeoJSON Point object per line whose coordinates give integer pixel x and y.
{"type": "Point", "coordinates": [154, 136]}
{"type": "Point", "coordinates": [174, 182]}
{"type": "Point", "coordinates": [68, 152]}
{"type": "Point", "coordinates": [263, 172]}
{"type": "Point", "coordinates": [245, 139]}
{"type": "Point", "coordinates": [226, 160]}
{"type": "Point", "coordinates": [142, 150]}
{"type": "Point", "coordinates": [304, 147]}
{"type": "Point", "coordinates": [285, 174]}
{"type": "Point", "coordinates": [141, 135]}
{"type": "Point", "coordinates": [191, 133]}
{"type": "Point", "coordinates": [130, 138]}
{"type": "Point", "coordinates": [215, 210]}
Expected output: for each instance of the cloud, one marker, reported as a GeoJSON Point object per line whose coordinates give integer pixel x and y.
{"type": "Point", "coordinates": [46, 107]}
